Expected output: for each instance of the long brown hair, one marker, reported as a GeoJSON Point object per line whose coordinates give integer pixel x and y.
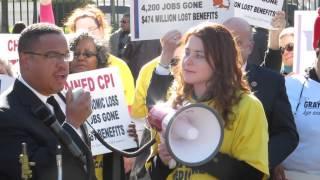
{"type": "Point", "coordinates": [227, 82]}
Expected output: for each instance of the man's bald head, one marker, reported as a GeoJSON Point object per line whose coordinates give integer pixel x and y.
{"type": "Point", "coordinates": [242, 31]}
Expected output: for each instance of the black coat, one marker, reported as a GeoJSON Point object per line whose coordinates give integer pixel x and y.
{"type": "Point", "coordinates": [269, 88]}
{"type": "Point", "coordinates": [19, 124]}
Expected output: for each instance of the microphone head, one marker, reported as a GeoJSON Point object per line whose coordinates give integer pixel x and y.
{"type": "Point", "coordinates": [43, 113]}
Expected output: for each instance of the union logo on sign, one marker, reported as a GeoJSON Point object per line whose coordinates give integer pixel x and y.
{"type": "Point", "coordinates": [221, 3]}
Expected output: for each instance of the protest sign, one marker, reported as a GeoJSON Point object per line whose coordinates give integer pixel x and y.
{"type": "Point", "coordinates": [110, 116]}
{"type": "Point", "coordinates": [151, 19]}
{"type": "Point", "coordinates": [5, 82]}
{"type": "Point", "coordinates": [304, 54]}
{"type": "Point", "coordinates": [9, 47]}
{"type": "Point", "coordinates": [257, 12]}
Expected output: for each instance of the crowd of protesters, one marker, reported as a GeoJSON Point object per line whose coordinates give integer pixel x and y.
{"type": "Point", "coordinates": [270, 113]}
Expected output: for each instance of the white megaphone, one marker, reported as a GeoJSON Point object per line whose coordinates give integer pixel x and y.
{"type": "Point", "coordinates": [193, 134]}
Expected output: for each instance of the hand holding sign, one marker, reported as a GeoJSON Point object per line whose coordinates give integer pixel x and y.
{"type": "Point", "coordinates": [278, 24]}
{"type": "Point", "coordinates": [278, 21]}
{"type": "Point", "coordinates": [169, 43]}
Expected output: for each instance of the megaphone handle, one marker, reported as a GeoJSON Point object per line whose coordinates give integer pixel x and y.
{"type": "Point", "coordinates": [172, 163]}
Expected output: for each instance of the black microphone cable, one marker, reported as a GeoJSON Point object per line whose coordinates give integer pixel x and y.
{"type": "Point", "coordinates": [124, 153]}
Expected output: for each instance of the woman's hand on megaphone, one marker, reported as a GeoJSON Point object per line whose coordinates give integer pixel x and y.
{"type": "Point", "coordinates": [163, 152]}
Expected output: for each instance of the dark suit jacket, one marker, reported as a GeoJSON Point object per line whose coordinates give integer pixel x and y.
{"type": "Point", "coordinates": [19, 124]}
{"type": "Point", "coordinates": [269, 88]}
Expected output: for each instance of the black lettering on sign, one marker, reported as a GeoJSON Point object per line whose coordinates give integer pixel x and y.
{"type": "Point", "coordinates": [271, 1]}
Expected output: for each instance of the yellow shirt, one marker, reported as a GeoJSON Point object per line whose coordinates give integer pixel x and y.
{"type": "Point", "coordinates": [139, 108]}
{"type": "Point", "coordinates": [126, 77]}
{"type": "Point", "coordinates": [247, 140]}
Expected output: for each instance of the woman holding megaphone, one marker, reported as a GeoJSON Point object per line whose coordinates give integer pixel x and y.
{"type": "Point", "coordinates": [210, 74]}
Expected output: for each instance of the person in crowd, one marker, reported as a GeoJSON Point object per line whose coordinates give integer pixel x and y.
{"type": "Point", "coordinates": [269, 88]}
{"type": "Point", "coordinates": [138, 53]}
{"type": "Point", "coordinates": [5, 68]}
{"type": "Point", "coordinates": [272, 59]}
{"type": "Point", "coordinates": [45, 16]}
{"type": "Point", "coordinates": [43, 53]}
{"type": "Point", "coordinates": [90, 54]}
{"type": "Point", "coordinates": [279, 56]}
{"type": "Point", "coordinates": [286, 41]}
{"type": "Point", "coordinates": [18, 27]}
{"type": "Point", "coordinates": [210, 55]}
{"type": "Point", "coordinates": [260, 38]}
{"type": "Point", "coordinates": [303, 91]}
{"type": "Point", "coordinates": [120, 38]}
{"type": "Point", "coordinates": [266, 42]}
{"type": "Point", "coordinates": [170, 55]}
{"type": "Point", "coordinates": [89, 18]}
{"type": "Point", "coordinates": [46, 12]}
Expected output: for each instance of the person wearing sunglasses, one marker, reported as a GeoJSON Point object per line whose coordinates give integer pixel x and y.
{"type": "Point", "coordinates": [286, 42]}
{"type": "Point", "coordinates": [279, 56]}
{"type": "Point", "coordinates": [90, 54]}
{"type": "Point", "coordinates": [303, 92]}
{"type": "Point", "coordinates": [120, 38]}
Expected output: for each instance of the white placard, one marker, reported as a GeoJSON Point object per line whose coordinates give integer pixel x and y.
{"type": "Point", "coordinates": [151, 19]}
{"type": "Point", "coordinates": [257, 12]}
{"type": "Point", "coordinates": [9, 50]}
{"type": "Point", "coordinates": [9, 46]}
{"type": "Point", "coordinates": [110, 116]}
{"type": "Point", "coordinates": [304, 54]}
{"type": "Point", "coordinates": [5, 82]}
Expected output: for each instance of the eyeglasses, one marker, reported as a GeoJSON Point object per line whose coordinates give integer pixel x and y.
{"type": "Point", "coordinates": [174, 61]}
{"type": "Point", "coordinates": [86, 54]}
{"type": "Point", "coordinates": [196, 56]}
{"type": "Point", "coordinates": [53, 56]}
{"type": "Point", "coordinates": [288, 47]}
{"type": "Point", "coordinates": [124, 22]}
{"type": "Point", "coordinates": [91, 29]}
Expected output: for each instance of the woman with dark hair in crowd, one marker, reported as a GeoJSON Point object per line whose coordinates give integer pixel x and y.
{"type": "Point", "coordinates": [210, 73]}
{"type": "Point", "coordinates": [91, 54]}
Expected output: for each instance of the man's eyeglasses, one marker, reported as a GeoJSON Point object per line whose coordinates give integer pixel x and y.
{"type": "Point", "coordinates": [86, 54]}
{"type": "Point", "coordinates": [53, 56]}
{"type": "Point", "coordinates": [288, 47]}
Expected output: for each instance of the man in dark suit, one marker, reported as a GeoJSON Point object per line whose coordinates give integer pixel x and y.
{"type": "Point", "coordinates": [43, 54]}
{"type": "Point", "coordinates": [269, 88]}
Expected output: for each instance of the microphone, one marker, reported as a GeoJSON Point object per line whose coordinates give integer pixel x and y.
{"type": "Point", "coordinates": [50, 120]}
{"type": "Point", "coordinates": [59, 162]}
